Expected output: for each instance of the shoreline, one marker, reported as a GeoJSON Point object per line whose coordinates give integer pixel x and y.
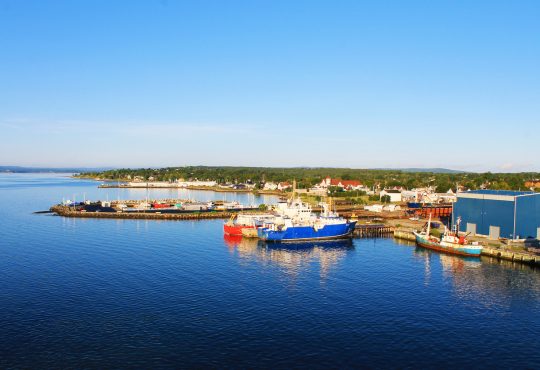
{"type": "Point", "coordinates": [205, 188]}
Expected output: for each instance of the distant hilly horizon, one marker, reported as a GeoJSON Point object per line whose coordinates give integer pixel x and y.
{"type": "Point", "coordinates": [32, 169]}
{"type": "Point", "coordinates": [24, 169]}
{"type": "Point", "coordinates": [431, 170]}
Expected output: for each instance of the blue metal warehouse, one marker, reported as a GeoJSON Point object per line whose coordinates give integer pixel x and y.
{"type": "Point", "coordinates": [499, 213]}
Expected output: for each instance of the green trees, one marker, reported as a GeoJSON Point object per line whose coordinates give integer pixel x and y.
{"type": "Point", "coordinates": [334, 191]}
{"type": "Point", "coordinates": [307, 177]}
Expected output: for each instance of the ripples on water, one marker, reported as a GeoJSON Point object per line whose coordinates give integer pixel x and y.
{"type": "Point", "coordinates": [140, 293]}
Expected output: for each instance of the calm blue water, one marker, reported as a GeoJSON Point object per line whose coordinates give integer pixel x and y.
{"type": "Point", "coordinates": [160, 294]}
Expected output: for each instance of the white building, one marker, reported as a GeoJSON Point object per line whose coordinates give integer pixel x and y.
{"type": "Point", "coordinates": [270, 186]}
{"type": "Point", "coordinates": [374, 208]}
{"type": "Point", "coordinates": [186, 184]}
{"type": "Point", "coordinates": [344, 184]}
{"type": "Point", "coordinates": [394, 194]}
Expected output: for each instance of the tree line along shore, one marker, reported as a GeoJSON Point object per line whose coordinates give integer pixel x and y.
{"type": "Point", "coordinates": [308, 177]}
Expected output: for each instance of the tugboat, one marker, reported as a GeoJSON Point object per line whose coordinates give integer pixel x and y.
{"type": "Point", "coordinates": [451, 242]}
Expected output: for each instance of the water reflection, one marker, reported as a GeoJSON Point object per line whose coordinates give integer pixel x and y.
{"type": "Point", "coordinates": [404, 242]}
{"type": "Point", "coordinates": [486, 280]}
{"type": "Point", "coordinates": [292, 258]}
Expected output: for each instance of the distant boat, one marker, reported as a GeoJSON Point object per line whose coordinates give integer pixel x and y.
{"type": "Point", "coordinates": [451, 242]}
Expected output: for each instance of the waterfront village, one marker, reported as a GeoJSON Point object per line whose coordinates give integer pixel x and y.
{"type": "Point", "coordinates": [332, 186]}
{"type": "Point", "coordinates": [499, 223]}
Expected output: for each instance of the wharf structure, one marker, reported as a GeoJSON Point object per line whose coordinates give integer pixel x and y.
{"type": "Point", "coordinates": [66, 211]}
{"type": "Point", "coordinates": [373, 230]}
{"type": "Point", "coordinates": [499, 213]}
{"type": "Point", "coordinates": [500, 252]}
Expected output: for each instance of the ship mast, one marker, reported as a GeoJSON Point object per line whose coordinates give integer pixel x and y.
{"type": "Point", "coordinates": [428, 226]}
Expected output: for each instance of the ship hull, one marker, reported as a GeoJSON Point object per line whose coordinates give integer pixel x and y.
{"type": "Point", "coordinates": [235, 230]}
{"type": "Point", "coordinates": [461, 250]}
{"type": "Point", "coordinates": [306, 233]}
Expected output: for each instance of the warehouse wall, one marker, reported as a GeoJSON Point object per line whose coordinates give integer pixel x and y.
{"type": "Point", "coordinates": [528, 216]}
{"type": "Point", "coordinates": [485, 213]}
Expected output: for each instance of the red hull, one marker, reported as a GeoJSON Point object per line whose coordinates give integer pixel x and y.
{"type": "Point", "coordinates": [160, 205]}
{"type": "Point", "coordinates": [235, 229]}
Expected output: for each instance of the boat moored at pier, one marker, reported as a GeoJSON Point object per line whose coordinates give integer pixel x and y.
{"type": "Point", "coordinates": [237, 224]}
{"type": "Point", "coordinates": [450, 242]}
{"type": "Point", "coordinates": [306, 226]}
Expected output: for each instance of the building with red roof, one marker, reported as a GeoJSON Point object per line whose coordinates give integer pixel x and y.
{"type": "Point", "coordinates": [344, 184]}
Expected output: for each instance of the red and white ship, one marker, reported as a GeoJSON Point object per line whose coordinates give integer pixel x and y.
{"type": "Point", "coordinates": [244, 221]}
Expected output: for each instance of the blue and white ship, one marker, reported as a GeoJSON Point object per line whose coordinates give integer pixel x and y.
{"type": "Point", "coordinates": [298, 223]}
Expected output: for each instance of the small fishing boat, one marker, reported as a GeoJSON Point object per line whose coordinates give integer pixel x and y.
{"type": "Point", "coordinates": [450, 242]}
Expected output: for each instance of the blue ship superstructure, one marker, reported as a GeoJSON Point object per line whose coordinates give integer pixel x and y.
{"type": "Point", "coordinates": [290, 228]}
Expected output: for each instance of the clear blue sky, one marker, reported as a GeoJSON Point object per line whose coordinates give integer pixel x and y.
{"type": "Point", "coordinates": [430, 83]}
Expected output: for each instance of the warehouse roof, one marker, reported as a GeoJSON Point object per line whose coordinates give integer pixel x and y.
{"type": "Point", "coordinates": [505, 195]}
{"type": "Point", "coordinates": [512, 193]}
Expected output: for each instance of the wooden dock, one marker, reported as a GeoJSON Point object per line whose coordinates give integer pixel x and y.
{"type": "Point", "coordinates": [373, 230]}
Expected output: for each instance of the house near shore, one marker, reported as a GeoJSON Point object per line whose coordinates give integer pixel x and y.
{"type": "Point", "coordinates": [242, 186]}
{"type": "Point", "coordinates": [534, 184]}
{"type": "Point", "coordinates": [151, 184]}
{"type": "Point", "coordinates": [344, 184]}
{"type": "Point", "coordinates": [270, 186]}
{"type": "Point", "coordinates": [282, 186]}
{"type": "Point", "coordinates": [185, 184]}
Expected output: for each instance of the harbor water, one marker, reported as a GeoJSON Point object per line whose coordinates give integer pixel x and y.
{"type": "Point", "coordinates": [101, 293]}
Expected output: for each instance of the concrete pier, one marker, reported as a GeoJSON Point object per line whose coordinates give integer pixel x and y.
{"type": "Point", "coordinates": [406, 235]}
{"type": "Point", "coordinates": [499, 253]}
